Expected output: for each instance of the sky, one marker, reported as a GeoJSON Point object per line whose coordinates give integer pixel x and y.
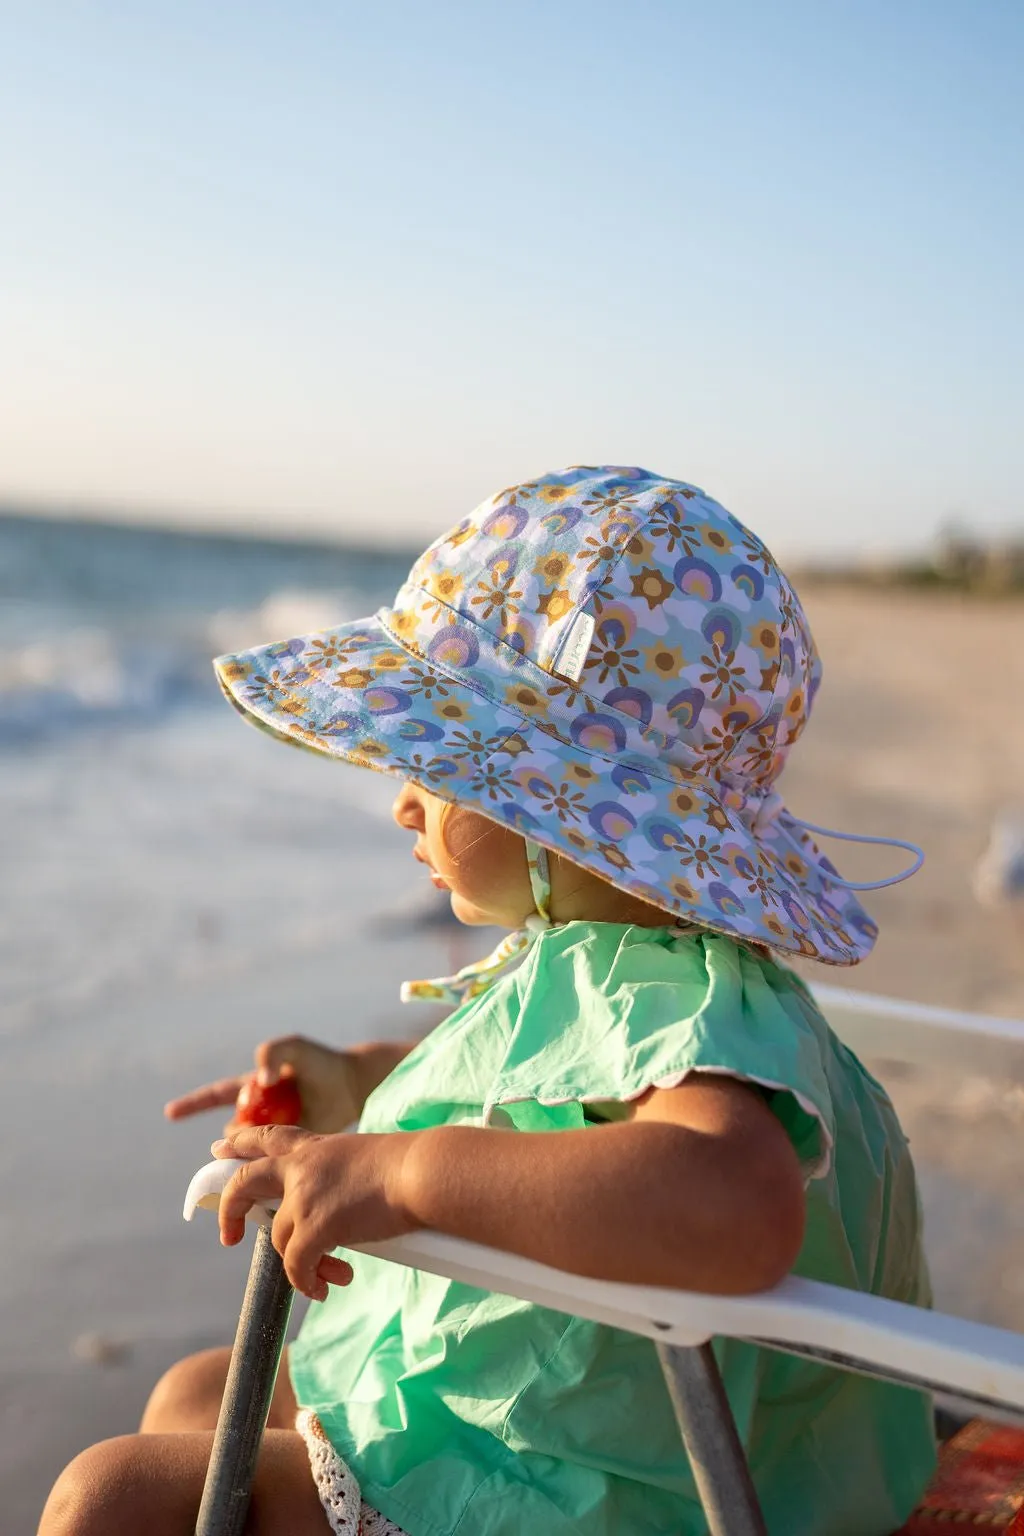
{"type": "Point", "coordinates": [349, 269]}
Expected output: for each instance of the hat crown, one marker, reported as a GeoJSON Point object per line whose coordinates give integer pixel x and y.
{"type": "Point", "coordinates": [697, 638]}
{"type": "Point", "coordinates": [609, 663]}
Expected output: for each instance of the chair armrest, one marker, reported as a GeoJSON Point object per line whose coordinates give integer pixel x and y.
{"type": "Point", "coordinates": [889, 1339]}
{"type": "Point", "coordinates": [980, 1043]}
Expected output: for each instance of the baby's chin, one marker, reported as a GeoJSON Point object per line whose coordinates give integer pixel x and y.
{"type": "Point", "coordinates": [466, 911]}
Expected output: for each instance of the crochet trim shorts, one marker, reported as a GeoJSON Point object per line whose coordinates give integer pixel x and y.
{"type": "Point", "coordinates": [343, 1504]}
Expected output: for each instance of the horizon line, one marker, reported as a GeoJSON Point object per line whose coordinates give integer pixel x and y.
{"type": "Point", "coordinates": [314, 530]}
{"type": "Point", "coordinates": [271, 528]}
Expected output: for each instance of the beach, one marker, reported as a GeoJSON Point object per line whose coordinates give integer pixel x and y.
{"type": "Point", "coordinates": [181, 888]}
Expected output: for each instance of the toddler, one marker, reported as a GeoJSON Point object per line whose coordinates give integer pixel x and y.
{"type": "Point", "coordinates": [588, 689]}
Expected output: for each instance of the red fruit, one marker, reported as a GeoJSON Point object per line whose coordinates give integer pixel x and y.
{"type": "Point", "coordinates": [270, 1104]}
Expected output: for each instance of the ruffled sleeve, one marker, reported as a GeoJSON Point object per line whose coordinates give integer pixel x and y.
{"type": "Point", "coordinates": [601, 1012]}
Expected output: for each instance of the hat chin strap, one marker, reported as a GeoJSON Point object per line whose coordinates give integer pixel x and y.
{"type": "Point", "coordinates": [475, 978]}
{"type": "Point", "coordinates": [540, 884]}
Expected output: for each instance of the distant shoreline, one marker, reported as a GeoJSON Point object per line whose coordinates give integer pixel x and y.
{"type": "Point", "coordinates": [988, 570]}
{"type": "Point", "coordinates": [911, 576]}
{"type": "Point", "coordinates": [181, 531]}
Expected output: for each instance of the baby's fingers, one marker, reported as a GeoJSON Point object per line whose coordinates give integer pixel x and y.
{"type": "Point", "coordinates": [309, 1268]}
{"type": "Point", "coordinates": [210, 1096]}
{"type": "Point", "coordinates": [334, 1271]}
{"type": "Point", "coordinates": [256, 1183]}
{"type": "Point", "coordinates": [261, 1141]}
{"type": "Point", "coordinates": [291, 1052]}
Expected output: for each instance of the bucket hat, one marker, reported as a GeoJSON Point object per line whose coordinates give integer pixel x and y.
{"type": "Point", "coordinates": [610, 663]}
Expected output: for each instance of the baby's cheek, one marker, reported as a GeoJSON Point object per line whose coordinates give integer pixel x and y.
{"type": "Point", "coordinates": [486, 865]}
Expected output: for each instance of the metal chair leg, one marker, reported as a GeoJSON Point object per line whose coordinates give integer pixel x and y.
{"type": "Point", "coordinates": [245, 1405]}
{"type": "Point", "coordinates": [712, 1443]}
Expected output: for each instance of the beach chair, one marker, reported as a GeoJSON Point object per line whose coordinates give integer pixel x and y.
{"type": "Point", "coordinates": [980, 1480]}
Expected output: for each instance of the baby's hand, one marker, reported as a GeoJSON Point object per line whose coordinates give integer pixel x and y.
{"type": "Point", "coordinates": [330, 1191]}
{"type": "Point", "coordinates": [330, 1084]}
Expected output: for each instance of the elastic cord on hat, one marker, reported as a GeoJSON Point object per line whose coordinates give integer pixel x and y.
{"type": "Point", "coordinates": [773, 807]}
{"type": "Point", "coordinates": [860, 837]}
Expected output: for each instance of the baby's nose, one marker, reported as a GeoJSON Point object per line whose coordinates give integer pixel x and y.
{"type": "Point", "coordinates": [407, 809]}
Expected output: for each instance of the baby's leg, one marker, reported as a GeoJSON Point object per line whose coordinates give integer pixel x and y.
{"type": "Point", "coordinates": [188, 1396]}
{"type": "Point", "coordinates": [153, 1483]}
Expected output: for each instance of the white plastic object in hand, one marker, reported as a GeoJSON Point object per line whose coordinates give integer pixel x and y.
{"type": "Point", "coordinates": [208, 1185]}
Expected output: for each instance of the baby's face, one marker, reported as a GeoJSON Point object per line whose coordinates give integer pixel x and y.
{"type": "Point", "coordinates": [481, 864]}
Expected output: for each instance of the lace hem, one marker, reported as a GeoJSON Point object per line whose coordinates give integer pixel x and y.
{"type": "Point", "coordinates": [340, 1497]}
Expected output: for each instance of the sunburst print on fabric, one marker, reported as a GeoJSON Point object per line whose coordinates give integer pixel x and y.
{"type": "Point", "coordinates": [610, 663]}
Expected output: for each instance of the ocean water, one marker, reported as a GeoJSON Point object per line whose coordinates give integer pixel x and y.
{"type": "Point", "coordinates": [105, 625]}
{"type": "Point", "coordinates": [174, 887]}
{"type": "Point", "coordinates": [147, 836]}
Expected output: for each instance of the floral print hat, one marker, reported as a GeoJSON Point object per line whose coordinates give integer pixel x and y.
{"type": "Point", "coordinates": [608, 662]}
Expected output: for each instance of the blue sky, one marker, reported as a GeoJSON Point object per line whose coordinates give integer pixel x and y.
{"type": "Point", "coordinates": [352, 268]}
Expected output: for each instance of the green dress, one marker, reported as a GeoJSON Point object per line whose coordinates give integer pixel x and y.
{"type": "Point", "coordinates": [462, 1411]}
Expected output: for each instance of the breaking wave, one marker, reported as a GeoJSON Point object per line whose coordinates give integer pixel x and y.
{"type": "Point", "coordinates": [103, 627]}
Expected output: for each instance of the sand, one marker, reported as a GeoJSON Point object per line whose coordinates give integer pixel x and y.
{"type": "Point", "coordinates": [917, 733]}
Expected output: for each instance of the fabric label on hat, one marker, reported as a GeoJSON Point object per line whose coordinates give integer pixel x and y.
{"type": "Point", "coordinates": [573, 654]}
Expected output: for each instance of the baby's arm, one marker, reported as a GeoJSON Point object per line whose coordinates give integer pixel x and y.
{"type": "Point", "coordinates": [700, 1189]}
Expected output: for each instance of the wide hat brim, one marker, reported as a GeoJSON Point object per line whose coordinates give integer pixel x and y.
{"type": "Point", "coordinates": [358, 693]}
